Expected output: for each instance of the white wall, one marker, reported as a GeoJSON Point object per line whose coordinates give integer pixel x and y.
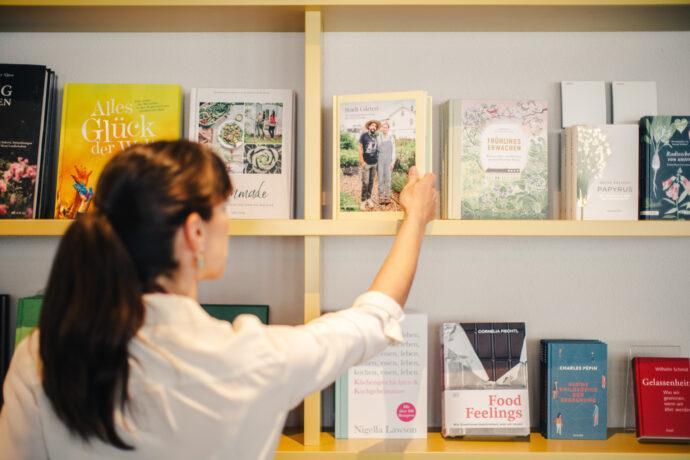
{"type": "Point", "coordinates": [619, 290]}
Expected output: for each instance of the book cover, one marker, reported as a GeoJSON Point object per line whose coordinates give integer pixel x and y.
{"type": "Point", "coordinates": [4, 339]}
{"type": "Point", "coordinates": [377, 138]}
{"type": "Point", "coordinates": [28, 314]}
{"type": "Point", "coordinates": [231, 311]}
{"type": "Point", "coordinates": [662, 399]}
{"type": "Point", "coordinates": [574, 389]}
{"type": "Point", "coordinates": [253, 132]}
{"type": "Point", "coordinates": [485, 391]}
{"type": "Point", "coordinates": [633, 100]}
{"type": "Point", "coordinates": [23, 93]}
{"type": "Point", "coordinates": [583, 103]}
{"type": "Point", "coordinates": [386, 397]}
{"type": "Point", "coordinates": [100, 120]}
{"type": "Point", "coordinates": [665, 168]}
{"type": "Point", "coordinates": [48, 166]}
{"type": "Point", "coordinates": [604, 164]}
{"type": "Point", "coordinates": [497, 160]}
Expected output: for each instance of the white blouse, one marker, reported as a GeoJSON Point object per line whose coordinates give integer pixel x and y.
{"type": "Point", "coordinates": [201, 388]}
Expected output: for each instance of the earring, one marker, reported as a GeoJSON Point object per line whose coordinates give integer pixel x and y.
{"type": "Point", "coordinates": [200, 264]}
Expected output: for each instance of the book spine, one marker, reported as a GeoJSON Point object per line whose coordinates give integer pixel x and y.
{"type": "Point", "coordinates": [545, 378]}
{"type": "Point", "coordinates": [637, 395]}
{"type": "Point", "coordinates": [644, 172]}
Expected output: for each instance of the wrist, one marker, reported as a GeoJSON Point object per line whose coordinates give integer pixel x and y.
{"type": "Point", "coordinates": [415, 220]}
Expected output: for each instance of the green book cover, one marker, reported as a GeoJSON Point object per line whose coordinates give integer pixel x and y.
{"type": "Point", "coordinates": [230, 312]}
{"type": "Point", "coordinates": [28, 312]}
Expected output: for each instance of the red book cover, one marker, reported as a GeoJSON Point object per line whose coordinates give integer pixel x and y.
{"type": "Point", "coordinates": [662, 398]}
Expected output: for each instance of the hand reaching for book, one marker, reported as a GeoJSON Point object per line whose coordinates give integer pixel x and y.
{"type": "Point", "coordinates": [419, 197]}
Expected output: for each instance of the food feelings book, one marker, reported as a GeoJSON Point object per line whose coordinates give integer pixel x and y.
{"type": "Point", "coordinates": [662, 399]}
{"type": "Point", "coordinates": [377, 138]}
{"type": "Point", "coordinates": [665, 167]}
{"type": "Point", "coordinates": [574, 389]}
{"type": "Point", "coordinates": [599, 179]}
{"type": "Point", "coordinates": [485, 391]}
{"type": "Point", "coordinates": [253, 132]}
{"type": "Point", "coordinates": [386, 397]}
{"type": "Point", "coordinates": [27, 112]}
{"type": "Point", "coordinates": [100, 120]}
{"type": "Point", "coordinates": [495, 159]}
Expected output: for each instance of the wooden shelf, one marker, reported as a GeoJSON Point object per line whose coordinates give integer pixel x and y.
{"type": "Point", "coordinates": [272, 3]}
{"type": "Point", "coordinates": [619, 446]}
{"type": "Point", "coordinates": [326, 227]}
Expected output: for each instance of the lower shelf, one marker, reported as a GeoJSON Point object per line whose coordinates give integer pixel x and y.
{"type": "Point", "coordinates": [618, 446]}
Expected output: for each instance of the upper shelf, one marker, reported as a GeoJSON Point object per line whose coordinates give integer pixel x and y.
{"type": "Point", "coordinates": [327, 227]}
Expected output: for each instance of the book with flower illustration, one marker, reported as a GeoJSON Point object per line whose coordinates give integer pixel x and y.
{"type": "Point", "coordinates": [600, 172]}
{"type": "Point", "coordinates": [495, 159]}
{"type": "Point", "coordinates": [27, 120]}
{"type": "Point", "coordinates": [665, 167]}
{"type": "Point", "coordinates": [100, 120]}
{"type": "Point", "coordinates": [252, 130]}
{"type": "Point", "coordinates": [484, 378]}
{"type": "Point", "coordinates": [377, 138]}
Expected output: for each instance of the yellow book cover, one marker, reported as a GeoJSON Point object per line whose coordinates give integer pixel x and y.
{"type": "Point", "coordinates": [100, 120]}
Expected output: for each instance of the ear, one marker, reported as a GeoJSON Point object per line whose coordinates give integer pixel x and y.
{"type": "Point", "coordinates": [194, 232]}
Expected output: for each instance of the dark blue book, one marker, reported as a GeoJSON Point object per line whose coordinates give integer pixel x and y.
{"type": "Point", "coordinates": [574, 389]}
{"type": "Point", "coordinates": [665, 167]}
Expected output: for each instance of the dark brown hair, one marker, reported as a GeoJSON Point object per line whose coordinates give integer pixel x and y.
{"type": "Point", "coordinates": [105, 261]}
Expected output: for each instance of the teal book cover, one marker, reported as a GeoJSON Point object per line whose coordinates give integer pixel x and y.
{"type": "Point", "coordinates": [665, 168]}
{"type": "Point", "coordinates": [574, 389]}
{"type": "Point", "coordinates": [230, 312]}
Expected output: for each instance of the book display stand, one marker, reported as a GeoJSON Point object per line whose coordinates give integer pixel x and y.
{"type": "Point", "coordinates": [312, 18]}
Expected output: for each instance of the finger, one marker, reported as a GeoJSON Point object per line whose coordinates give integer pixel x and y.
{"type": "Point", "coordinates": [429, 179]}
{"type": "Point", "coordinates": [413, 175]}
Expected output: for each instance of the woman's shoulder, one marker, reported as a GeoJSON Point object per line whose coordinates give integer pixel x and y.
{"type": "Point", "coordinates": [25, 364]}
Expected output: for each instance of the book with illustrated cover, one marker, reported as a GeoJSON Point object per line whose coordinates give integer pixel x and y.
{"type": "Point", "coordinates": [484, 377]}
{"type": "Point", "coordinates": [27, 112]}
{"type": "Point", "coordinates": [253, 131]}
{"type": "Point", "coordinates": [574, 389]}
{"type": "Point", "coordinates": [495, 159]}
{"type": "Point", "coordinates": [665, 167]}
{"type": "Point", "coordinates": [377, 138]}
{"type": "Point", "coordinates": [386, 397]}
{"type": "Point", "coordinates": [600, 172]}
{"type": "Point", "coordinates": [662, 399]}
{"type": "Point", "coordinates": [100, 120]}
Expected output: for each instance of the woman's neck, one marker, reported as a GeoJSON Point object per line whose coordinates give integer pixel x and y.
{"type": "Point", "coordinates": [178, 284]}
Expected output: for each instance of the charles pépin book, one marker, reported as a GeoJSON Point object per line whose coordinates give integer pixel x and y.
{"type": "Point", "coordinates": [27, 124]}
{"type": "Point", "coordinates": [665, 167]}
{"type": "Point", "coordinates": [100, 120]}
{"type": "Point", "coordinates": [252, 130]}
{"type": "Point", "coordinates": [485, 391]}
{"type": "Point", "coordinates": [574, 389]}
{"type": "Point", "coordinates": [495, 159]}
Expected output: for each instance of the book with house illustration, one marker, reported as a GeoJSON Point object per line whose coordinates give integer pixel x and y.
{"type": "Point", "coordinates": [377, 138]}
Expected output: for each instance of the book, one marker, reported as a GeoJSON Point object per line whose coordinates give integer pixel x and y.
{"type": "Point", "coordinates": [633, 100]}
{"type": "Point", "coordinates": [100, 120]}
{"type": "Point", "coordinates": [665, 168]}
{"type": "Point", "coordinates": [495, 159]}
{"type": "Point", "coordinates": [4, 340]}
{"type": "Point", "coordinates": [253, 131]}
{"type": "Point", "coordinates": [377, 138]}
{"type": "Point", "coordinates": [27, 112]}
{"type": "Point", "coordinates": [662, 399]}
{"type": "Point", "coordinates": [386, 397]}
{"type": "Point", "coordinates": [230, 312]}
{"type": "Point", "coordinates": [583, 103]}
{"type": "Point", "coordinates": [573, 389]}
{"type": "Point", "coordinates": [600, 171]}
{"type": "Point", "coordinates": [28, 314]}
{"type": "Point", "coordinates": [484, 378]}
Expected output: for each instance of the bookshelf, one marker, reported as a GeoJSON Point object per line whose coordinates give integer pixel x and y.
{"type": "Point", "coordinates": [313, 18]}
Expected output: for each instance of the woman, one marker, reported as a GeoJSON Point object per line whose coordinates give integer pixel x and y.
{"type": "Point", "coordinates": [127, 364]}
{"type": "Point", "coordinates": [386, 143]}
{"type": "Point", "coordinates": [272, 123]}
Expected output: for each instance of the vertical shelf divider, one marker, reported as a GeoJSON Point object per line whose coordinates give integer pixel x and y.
{"type": "Point", "coordinates": [312, 197]}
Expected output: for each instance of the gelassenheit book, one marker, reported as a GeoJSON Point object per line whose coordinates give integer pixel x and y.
{"type": "Point", "coordinates": [573, 389]}
{"type": "Point", "coordinates": [665, 167]}
{"type": "Point", "coordinates": [100, 120]}
{"type": "Point", "coordinates": [252, 130]}
{"type": "Point", "coordinates": [386, 397]}
{"type": "Point", "coordinates": [495, 159]}
{"type": "Point", "coordinates": [662, 399]}
{"type": "Point", "coordinates": [484, 377]}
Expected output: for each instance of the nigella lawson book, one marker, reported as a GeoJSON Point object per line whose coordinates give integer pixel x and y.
{"type": "Point", "coordinates": [665, 167]}
{"type": "Point", "coordinates": [100, 120]}
{"type": "Point", "coordinates": [662, 399]}
{"type": "Point", "coordinates": [574, 389]}
{"type": "Point", "coordinates": [485, 390]}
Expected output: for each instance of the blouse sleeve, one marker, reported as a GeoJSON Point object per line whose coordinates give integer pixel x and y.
{"type": "Point", "coordinates": [21, 435]}
{"type": "Point", "coordinates": [316, 354]}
